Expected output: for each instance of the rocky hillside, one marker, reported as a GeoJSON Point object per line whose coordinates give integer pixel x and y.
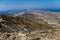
{"type": "Point", "coordinates": [30, 25]}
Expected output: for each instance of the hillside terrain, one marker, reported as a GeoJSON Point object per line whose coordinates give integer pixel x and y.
{"type": "Point", "coordinates": [30, 25]}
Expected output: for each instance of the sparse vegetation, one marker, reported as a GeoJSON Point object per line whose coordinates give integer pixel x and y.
{"type": "Point", "coordinates": [28, 26]}
{"type": "Point", "coordinates": [23, 21]}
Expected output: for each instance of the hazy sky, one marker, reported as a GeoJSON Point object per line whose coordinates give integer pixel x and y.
{"type": "Point", "coordinates": [21, 4]}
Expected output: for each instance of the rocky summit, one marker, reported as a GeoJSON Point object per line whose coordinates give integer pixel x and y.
{"type": "Point", "coordinates": [30, 25]}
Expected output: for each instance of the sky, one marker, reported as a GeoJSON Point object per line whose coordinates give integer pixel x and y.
{"type": "Point", "coordinates": [29, 4]}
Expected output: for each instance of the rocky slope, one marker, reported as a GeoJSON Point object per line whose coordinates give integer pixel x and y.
{"type": "Point", "coordinates": [30, 25]}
